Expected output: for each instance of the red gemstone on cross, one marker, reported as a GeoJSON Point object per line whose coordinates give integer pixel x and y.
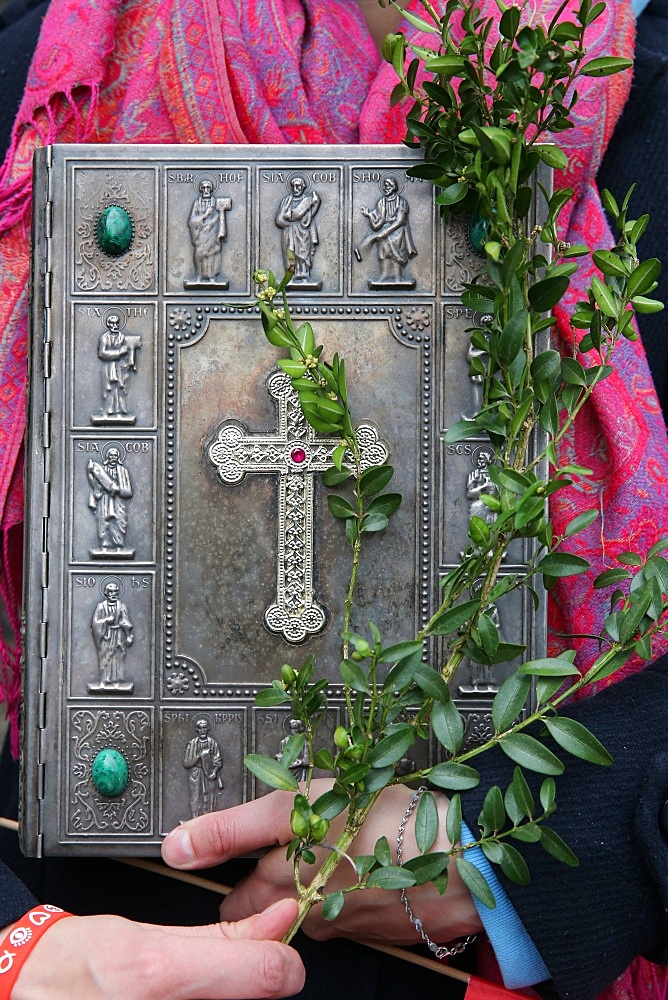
{"type": "Point", "coordinates": [298, 455]}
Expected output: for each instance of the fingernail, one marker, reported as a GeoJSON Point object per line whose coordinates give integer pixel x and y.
{"type": "Point", "coordinates": [178, 849]}
{"type": "Point", "coordinates": [274, 906]}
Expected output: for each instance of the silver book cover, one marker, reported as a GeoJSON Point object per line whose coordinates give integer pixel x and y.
{"type": "Point", "coordinates": [178, 545]}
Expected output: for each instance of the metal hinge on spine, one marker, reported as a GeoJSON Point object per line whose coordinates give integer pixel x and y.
{"type": "Point", "coordinates": [46, 446]}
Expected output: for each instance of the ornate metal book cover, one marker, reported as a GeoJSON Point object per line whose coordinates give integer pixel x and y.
{"type": "Point", "coordinates": [179, 547]}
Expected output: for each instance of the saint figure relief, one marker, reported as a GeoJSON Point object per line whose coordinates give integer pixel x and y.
{"type": "Point", "coordinates": [208, 231]}
{"type": "Point", "coordinates": [391, 236]}
{"type": "Point", "coordinates": [204, 761]}
{"type": "Point", "coordinates": [299, 767]}
{"type": "Point", "coordinates": [117, 351]}
{"type": "Point", "coordinates": [113, 635]}
{"type": "Point", "coordinates": [299, 234]}
{"type": "Point", "coordinates": [479, 482]}
{"type": "Point", "coordinates": [110, 487]}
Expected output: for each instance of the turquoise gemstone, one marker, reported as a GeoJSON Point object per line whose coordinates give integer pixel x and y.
{"type": "Point", "coordinates": [478, 233]}
{"type": "Point", "coordinates": [109, 772]}
{"type": "Point", "coordinates": [114, 230]}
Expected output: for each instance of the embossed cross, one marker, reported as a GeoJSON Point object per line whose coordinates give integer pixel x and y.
{"type": "Point", "coordinates": [294, 452]}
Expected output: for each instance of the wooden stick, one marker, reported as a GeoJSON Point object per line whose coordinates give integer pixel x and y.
{"type": "Point", "coordinates": [223, 890]}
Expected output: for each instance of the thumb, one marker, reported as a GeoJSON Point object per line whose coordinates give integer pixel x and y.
{"type": "Point", "coordinates": [271, 924]}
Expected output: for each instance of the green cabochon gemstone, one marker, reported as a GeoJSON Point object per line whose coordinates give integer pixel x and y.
{"type": "Point", "coordinates": [114, 230]}
{"type": "Point", "coordinates": [109, 772]}
{"type": "Point", "coordinates": [478, 233]}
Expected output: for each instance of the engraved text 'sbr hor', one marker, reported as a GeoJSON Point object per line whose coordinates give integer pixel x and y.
{"type": "Point", "coordinates": [179, 547]}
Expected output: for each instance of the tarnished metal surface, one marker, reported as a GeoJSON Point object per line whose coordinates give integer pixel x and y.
{"type": "Point", "coordinates": [179, 547]}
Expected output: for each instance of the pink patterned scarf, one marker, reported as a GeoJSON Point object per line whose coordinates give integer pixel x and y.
{"type": "Point", "coordinates": [276, 71]}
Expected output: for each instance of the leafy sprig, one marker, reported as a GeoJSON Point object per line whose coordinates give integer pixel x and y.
{"type": "Point", "coordinates": [481, 108]}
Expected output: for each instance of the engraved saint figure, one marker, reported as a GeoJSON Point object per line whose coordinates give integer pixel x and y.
{"type": "Point", "coordinates": [113, 635]}
{"type": "Point", "coordinates": [117, 351]}
{"type": "Point", "coordinates": [392, 236]}
{"type": "Point", "coordinates": [208, 231]}
{"type": "Point", "coordinates": [204, 761]}
{"type": "Point", "coordinates": [299, 236]}
{"type": "Point", "coordinates": [110, 487]}
{"type": "Point", "coordinates": [299, 767]}
{"type": "Point", "coordinates": [479, 482]}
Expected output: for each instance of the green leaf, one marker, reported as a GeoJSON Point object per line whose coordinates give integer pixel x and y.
{"type": "Point", "coordinates": [605, 65]}
{"type": "Point", "coordinates": [555, 846]}
{"type": "Point", "coordinates": [374, 522]}
{"type": "Point", "coordinates": [522, 792]}
{"type": "Point", "coordinates": [353, 675]}
{"type": "Point", "coordinates": [402, 673]}
{"type": "Point", "coordinates": [493, 811]}
{"type": "Point", "coordinates": [270, 697]}
{"type": "Point", "coordinates": [304, 335]}
{"type": "Point", "coordinates": [324, 760]}
{"type": "Point", "coordinates": [562, 564]}
{"type": "Point", "coordinates": [340, 507]}
{"type": "Point", "coordinates": [509, 701]}
{"type": "Point", "coordinates": [646, 306]}
{"type": "Point", "coordinates": [420, 23]}
{"type": "Point", "coordinates": [573, 372]}
{"type": "Point", "coordinates": [634, 616]}
{"type": "Point", "coordinates": [391, 748]}
{"type": "Point", "coordinates": [338, 455]}
{"type": "Point", "coordinates": [271, 772]}
{"type": "Point", "coordinates": [580, 522]}
{"type": "Point", "coordinates": [453, 819]}
{"type": "Point", "coordinates": [609, 263]}
{"type": "Point", "coordinates": [528, 834]}
{"type": "Point", "coordinates": [512, 337]}
{"type": "Point", "coordinates": [552, 155]}
{"type": "Point", "coordinates": [461, 431]}
{"type": "Point", "coordinates": [457, 777]}
{"type": "Point", "coordinates": [605, 297]}
{"type": "Point", "coordinates": [451, 620]}
{"type": "Point", "coordinates": [544, 295]}
{"type": "Point", "coordinates": [427, 867]}
{"type": "Point", "coordinates": [447, 725]}
{"type": "Point", "coordinates": [377, 778]}
{"type": "Point", "coordinates": [382, 852]}
{"type": "Point", "coordinates": [546, 366]}
{"type": "Point", "coordinates": [547, 793]}
{"type": "Point", "coordinates": [355, 773]}
{"type": "Point", "coordinates": [513, 866]}
{"type": "Point", "coordinates": [399, 651]}
{"type": "Point", "coordinates": [476, 883]}
{"type": "Point", "coordinates": [431, 682]}
{"type": "Point", "coordinates": [390, 878]}
{"type": "Point", "coordinates": [452, 194]}
{"type": "Point", "coordinates": [332, 905]}
{"type": "Point", "coordinates": [549, 667]}
{"type": "Point", "coordinates": [447, 66]}
{"type": "Point", "coordinates": [375, 479]}
{"type": "Point", "coordinates": [426, 822]}
{"type": "Point", "coordinates": [292, 368]}
{"type": "Point", "coordinates": [364, 863]}
{"type": "Point", "coordinates": [611, 577]}
{"type": "Point", "coordinates": [292, 749]}
{"type": "Point", "coordinates": [334, 477]}
{"type": "Point", "coordinates": [526, 751]}
{"type": "Point", "coordinates": [385, 504]}
{"type": "Point", "coordinates": [576, 739]}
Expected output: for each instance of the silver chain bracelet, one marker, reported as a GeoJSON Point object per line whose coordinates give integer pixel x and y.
{"type": "Point", "coordinates": [440, 951]}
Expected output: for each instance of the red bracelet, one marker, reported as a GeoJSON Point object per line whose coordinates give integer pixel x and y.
{"type": "Point", "coordinates": [20, 941]}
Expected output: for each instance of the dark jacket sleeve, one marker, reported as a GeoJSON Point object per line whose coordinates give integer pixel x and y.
{"type": "Point", "coordinates": [15, 900]}
{"type": "Point", "coordinates": [589, 922]}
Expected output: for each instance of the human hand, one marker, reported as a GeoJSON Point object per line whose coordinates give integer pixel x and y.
{"type": "Point", "coordinates": [107, 957]}
{"type": "Point", "coordinates": [368, 915]}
